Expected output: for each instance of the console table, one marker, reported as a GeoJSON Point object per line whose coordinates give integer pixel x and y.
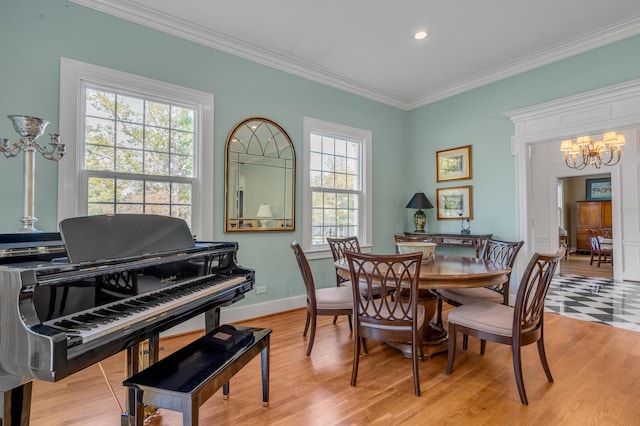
{"type": "Point", "coordinates": [475, 242]}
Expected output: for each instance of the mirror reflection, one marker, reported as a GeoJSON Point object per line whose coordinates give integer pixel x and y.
{"type": "Point", "coordinates": [260, 178]}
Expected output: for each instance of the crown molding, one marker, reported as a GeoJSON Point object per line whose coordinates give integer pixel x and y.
{"type": "Point", "coordinates": [129, 11]}
{"type": "Point", "coordinates": [186, 30]}
{"type": "Point", "coordinates": [606, 36]}
{"type": "Point", "coordinates": [610, 108]}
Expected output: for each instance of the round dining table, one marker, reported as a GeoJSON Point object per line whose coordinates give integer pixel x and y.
{"type": "Point", "coordinates": [444, 272]}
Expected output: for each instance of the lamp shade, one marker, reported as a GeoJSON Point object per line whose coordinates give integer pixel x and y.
{"type": "Point", "coordinates": [419, 201]}
{"type": "Point", "coordinates": [264, 211]}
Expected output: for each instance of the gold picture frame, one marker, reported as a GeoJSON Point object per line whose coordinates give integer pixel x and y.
{"type": "Point", "coordinates": [453, 164]}
{"type": "Point", "coordinates": [455, 203]}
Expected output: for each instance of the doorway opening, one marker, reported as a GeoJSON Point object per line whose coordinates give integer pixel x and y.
{"type": "Point", "coordinates": [584, 204]}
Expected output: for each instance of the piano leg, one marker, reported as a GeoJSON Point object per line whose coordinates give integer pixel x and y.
{"type": "Point", "coordinates": [16, 406]}
{"type": "Point", "coordinates": [212, 319]}
{"type": "Point", "coordinates": [135, 413]}
{"type": "Point", "coordinates": [132, 367]}
{"type": "Point", "coordinates": [154, 349]}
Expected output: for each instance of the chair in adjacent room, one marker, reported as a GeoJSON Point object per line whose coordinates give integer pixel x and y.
{"type": "Point", "coordinates": [396, 316]}
{"type": "Point", "coordinates": [603, 252]}
{"type": "Point", "coordinates": [322, 301]}
{"type": "Point", "coordinates": [516, 326]}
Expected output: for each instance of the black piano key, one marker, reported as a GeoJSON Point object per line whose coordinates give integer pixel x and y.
{"type": "Point", "coordinates": [91, 318]}
{"type": "Point", "coordinates": [73, 325]}
{"type": "Point", "coordinates": [107, 313]}
{"type": "Point", "coordinates": [136, 307]}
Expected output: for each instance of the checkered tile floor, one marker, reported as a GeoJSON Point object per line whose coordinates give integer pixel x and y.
{"type": "Point", "coordinates": [596, 299]}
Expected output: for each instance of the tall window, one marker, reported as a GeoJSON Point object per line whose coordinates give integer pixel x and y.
{"type": "Point", "coordinates": [139, 147]}
{"type": "Point", "coordinates": [337, 200]}
{"type": "Point", "coordinates": [139, 155]}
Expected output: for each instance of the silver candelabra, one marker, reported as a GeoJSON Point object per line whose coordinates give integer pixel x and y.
{"type": "Point", "coordinates": [30, 128]}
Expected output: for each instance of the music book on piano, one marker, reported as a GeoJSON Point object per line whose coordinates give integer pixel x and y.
{"type": "Point", "coordinates": [227, 337]}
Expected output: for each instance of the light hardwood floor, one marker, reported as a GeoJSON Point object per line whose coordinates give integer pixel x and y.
{"type": "Point", "coordinates": [578, 264]}
{"type": "Point", "coordinates": [596, 370]}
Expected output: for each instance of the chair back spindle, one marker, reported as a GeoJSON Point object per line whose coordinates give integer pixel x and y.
{"type": "Point", "coordinates": [503, 253]}
{"type": "Point", "coordinates": [339, 246]}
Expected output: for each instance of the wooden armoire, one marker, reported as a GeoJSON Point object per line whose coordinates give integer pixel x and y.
{"type": "Point", "coordinates": [594, 215]}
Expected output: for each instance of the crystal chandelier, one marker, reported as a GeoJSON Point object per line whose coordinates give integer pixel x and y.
{"type": "Point", "coordinates": [585, 151]}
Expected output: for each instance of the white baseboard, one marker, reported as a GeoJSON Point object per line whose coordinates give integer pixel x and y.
{"type": "Point", "coordinates": [241, 313]}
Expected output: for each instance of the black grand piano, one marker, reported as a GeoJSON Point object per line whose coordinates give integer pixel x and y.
{"type": "Point", "coordinates": [103, 285]}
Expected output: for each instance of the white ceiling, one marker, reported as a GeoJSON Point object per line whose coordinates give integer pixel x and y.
{"type": "Point", "coordinates": [367, 47]}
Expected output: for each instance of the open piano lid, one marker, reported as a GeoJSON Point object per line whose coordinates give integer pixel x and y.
{"type": "Point", "coordinates": [91, 238]}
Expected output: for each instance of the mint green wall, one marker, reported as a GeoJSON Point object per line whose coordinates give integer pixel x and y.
{"type": "Point", "coordinates": [475, 118]}
{"type": "Point", "coordinates": [36, 33]}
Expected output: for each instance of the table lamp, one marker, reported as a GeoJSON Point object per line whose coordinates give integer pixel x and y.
{"type": "Point", "coordinates": [419, 201]}
{"type": "Point", "coordinates": [264, 213]}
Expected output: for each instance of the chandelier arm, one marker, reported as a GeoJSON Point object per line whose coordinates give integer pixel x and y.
{"type": "Point", "coordinates": [15, 149]}
{"type": "Point", "coordinates": [610, 163]}
{"type": "Point", "coordinates": [575, 165]}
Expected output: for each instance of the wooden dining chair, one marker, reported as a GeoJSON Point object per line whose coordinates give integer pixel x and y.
{"type": "Point", "coordinates": [396, 316]}
{"type": "Point", "coordinates": [340, 246]}
{"type": "Point", "coordinates": [603, 252]}
{"type": "Point", "coordinates": [516, 326]}
{"type": "Point", "coordinates": [322, 301]}
{"type": "Point", "coordinates": [501, 252]}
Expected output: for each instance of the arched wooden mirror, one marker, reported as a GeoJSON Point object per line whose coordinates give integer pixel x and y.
{"type": "Point", "coordinates": [260, 164]}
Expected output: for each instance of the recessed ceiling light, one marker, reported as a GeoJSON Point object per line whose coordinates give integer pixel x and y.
{"type": "Point", "coordinates": [420, 35]}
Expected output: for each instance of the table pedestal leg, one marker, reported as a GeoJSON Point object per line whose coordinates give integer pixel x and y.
{"type": "Point", "coordinates": [435, 338]}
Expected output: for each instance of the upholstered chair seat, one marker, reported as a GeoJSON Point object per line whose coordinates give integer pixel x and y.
{"type": "Point", "coordinates": [334, 298]}
{"type": "Point", "coordinates": [468, 295]}
{"type": "Point", "coordinates": [489, 317]}
{"type": "Point", "coordinates": [517, 326]}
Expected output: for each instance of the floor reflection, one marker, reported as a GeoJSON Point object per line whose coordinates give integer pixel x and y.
{"type": "Point", "coordinates": [596, 299]}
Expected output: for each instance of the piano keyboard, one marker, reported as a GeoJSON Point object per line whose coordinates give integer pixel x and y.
{"type": "Point", "coordinates": [91, 324]}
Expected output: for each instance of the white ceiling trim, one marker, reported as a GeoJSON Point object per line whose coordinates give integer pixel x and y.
{"type": "Point", "coordinates": [179, 28]}
{"type": "Point", "coordinates": [562, 51]}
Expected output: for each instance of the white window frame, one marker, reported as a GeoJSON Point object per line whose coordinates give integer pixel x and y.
{"type": "Point", "coordinates": [312, 125]}
{"type": "Point", "coordinates": [72, 194]}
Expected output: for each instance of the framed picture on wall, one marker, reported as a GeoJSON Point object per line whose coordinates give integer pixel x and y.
{"type": "Point", "coordinates": [453, 164]}
{"type": "Point", "coordinates": [599, 189]}
{"type": "Point", "coordinates": [455, 203]}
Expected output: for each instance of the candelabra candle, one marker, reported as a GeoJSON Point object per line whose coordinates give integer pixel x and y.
{"type": "Point", "coordinates": [30, 128]}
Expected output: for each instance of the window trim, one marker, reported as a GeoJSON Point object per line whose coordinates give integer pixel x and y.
{"type": "Point", "coordinates": [73, 76]}
{"type": "Point", "coordinates": [365, 215]}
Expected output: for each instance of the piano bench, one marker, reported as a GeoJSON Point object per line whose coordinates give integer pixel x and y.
{"type": "Point", "coordinates": [184, 380]}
